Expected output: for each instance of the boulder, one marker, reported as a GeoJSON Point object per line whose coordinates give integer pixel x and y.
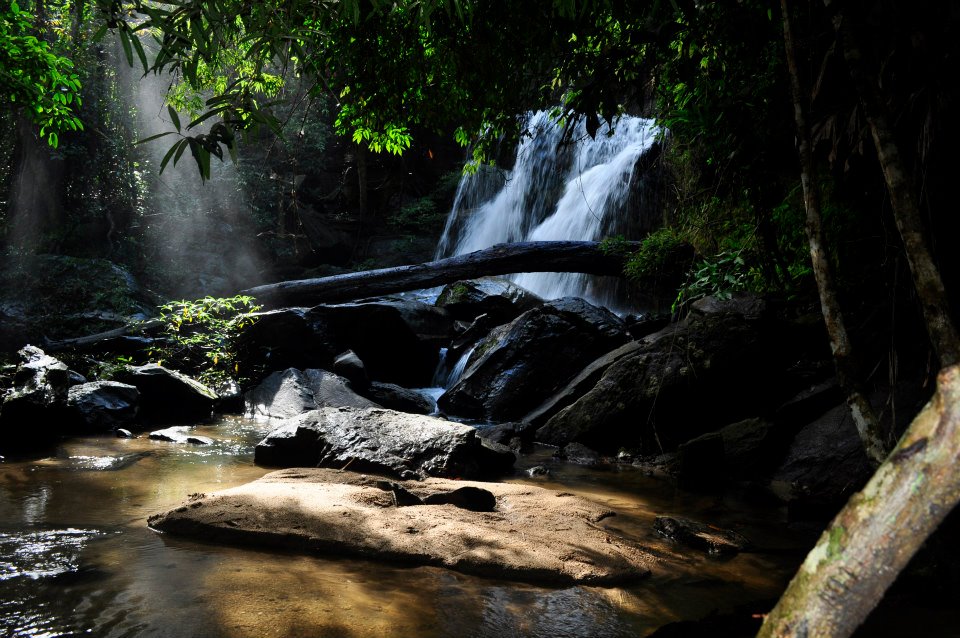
{"type": "Point", "coordinates": [709, 538]}
{"type": "Point", "coordinates": [380, 441]}
{"type": "Point", "coordinates": [292, 392]}
{"type": "Point", "coordinates": [34, 411]}
{"type": "Point", "coordinates": [378, 332]}
{"type": "Point", "coordinates": [385, 338]}
{"type": "Point", "coordinates": [823, 466]}
{"type": "Point", "coordinates": [349, 366]}
{"type": "Point", "coordinates": [517, 436]}
{"type": "Point", "coordinates": [180, 434]}
{"type": "Point", "coordinates": [286, 338]}
{"type": "Point", "coordinates": [533, 534]}
{"type": "Point", "coordinates": [502, 300]}
{"type": "Point", "coordinates": [722, 363]}
{"type": "Point", "coordinates": [393, 397]}
{"type": "Point", "coordinates": [168, 396]}
{"type": "Point", "coordinates": [579, 454]}
{"type": "Point", "coordinates": [102, 406]}
{"type": "Point", "coordinates": [519, 365]}
{"type": "Point", "coordinates": [579, 385]}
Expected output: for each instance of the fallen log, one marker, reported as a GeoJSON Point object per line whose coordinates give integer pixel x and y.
{"type": "Point", "coordinates": [503, 259]}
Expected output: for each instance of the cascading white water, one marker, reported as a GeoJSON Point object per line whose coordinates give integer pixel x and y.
{"type": "Point", "coordinates": [561, 187]}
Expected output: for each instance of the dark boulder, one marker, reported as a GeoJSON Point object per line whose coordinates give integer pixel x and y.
{"type": "Point", "coordinates": [517, 436]}
{"type": "Point", "coordinates": [709, 538]}
{"type": "Point", "coordinates": [500, 299]}
{"type": "Point", "coordinates": [475, 499]}
{"type": "Point", "coordinates": [378, 332]}
{"type": "Point", "coordinates": [823, 466]}
{"type": "Point", "coordinates": [724, 362]}
{"type": "Point", "coordinates": [102, 406]}
{"type": "Point", "coordinates": [380, 441]}
{"type": "Point", "coordinates": [34, 411]}
{"type": "Point", "coordinates": [580, 454]}
{"type": "Point", "coordinates": [289, 338]}
{"type": "Point", "coordinates": [521, 364]}
{"type": "Point", "coordinates": [349, 366]}
{"type": "Point", "coordinates": [292, 392]}
{"type": "Point", "coordinates": [394, 397]}
{"type": "Point", "coordinates": [579, 385]}
{"type": "Point", "coordinates": [168, 396]}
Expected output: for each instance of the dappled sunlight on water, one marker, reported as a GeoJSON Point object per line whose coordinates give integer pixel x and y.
{"type": "Point", "coordinates": [77, 557]}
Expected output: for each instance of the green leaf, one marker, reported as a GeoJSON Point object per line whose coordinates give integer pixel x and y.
{"type": "Point", "coordinates": [125, 41]}
{"type": "Point", "coordinates": [169, 154]}
{"type": "Point", "coordinates": [153, 137]}
{"type": "Point", "coordinates": [174, 117]}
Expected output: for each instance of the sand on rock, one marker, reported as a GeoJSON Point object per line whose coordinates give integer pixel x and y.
{"type": "Point", "coordinates": [533, 534]}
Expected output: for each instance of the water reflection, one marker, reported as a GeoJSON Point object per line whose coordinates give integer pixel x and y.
{"type": "Point", "coordinates": [99, 570]}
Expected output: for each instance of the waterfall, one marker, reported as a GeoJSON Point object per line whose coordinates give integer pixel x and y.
{"type": "Point", "coordinates": [561, 187]}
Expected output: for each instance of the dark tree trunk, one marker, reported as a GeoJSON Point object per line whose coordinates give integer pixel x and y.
{"type": "Point", "coordinates": [502, 259]}
{"type": "Point", "coordinates": [843, 355]}
{"type": "Point", "coordinates": [906, 212]}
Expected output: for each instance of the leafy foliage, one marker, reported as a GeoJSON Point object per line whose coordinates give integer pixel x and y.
{"type": "Point", "coordinates": [36, 80]}
{"type": "Point", "coordinates": [201, 336]}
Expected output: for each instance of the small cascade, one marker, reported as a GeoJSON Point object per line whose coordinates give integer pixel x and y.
{"type": "Point", "coordinates": [459, 368]}
{"type": "Point", "coordinates": [561, 187]}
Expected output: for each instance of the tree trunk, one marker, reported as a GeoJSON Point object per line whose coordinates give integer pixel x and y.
{"type": "Point", "coordinates": [906, 212]}
{"type": "Point", "coordinates": [535, 256]}
{"type": "Point", "coordinates": [843, 356]}
{"type": "Point", "coordinates": [880, 529]}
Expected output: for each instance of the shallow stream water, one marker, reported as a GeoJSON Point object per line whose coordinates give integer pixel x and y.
{"type": "Point", "coordinates": [77, 558]}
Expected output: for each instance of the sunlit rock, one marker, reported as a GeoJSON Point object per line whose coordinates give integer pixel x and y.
{"type": "Point", "coordinates": [292, 392]}
{"type": "Point", "coordinates": [532, 534]}
{"type": "Point", "coordinates": [382, 441]}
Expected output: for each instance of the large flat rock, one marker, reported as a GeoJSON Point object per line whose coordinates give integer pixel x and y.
{"type": "Point", "coordinates": [533, 534]}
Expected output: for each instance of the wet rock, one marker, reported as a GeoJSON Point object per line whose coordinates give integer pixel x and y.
{"type": "Point", "coordinates": [101, 406]}
{"type": "Point", "coordinates": [229, 397]}
{"type": "Point", "coordinates": [475, 499]}
{"type": "Point", "coordinates": [384, 338]}
{"type": "Point", "coordinates": [517, 436]}
{"type": "Point", "coordinates": [168, 396]}
{"type": "Point", "coordinates": [292, 392]}
{"type": "Point", "coordinates": [823, 467]}
{"type": "Point", "coordinates": [342, 513]}
{"type": "Point", "coordinates": [34, 412]}
{"type": "Point", "coordinates": [378, 332]}
{"type": "Point", "coordinates": [580, 454]}
{"type": "Point", "coordinates": [393, 397]}
{"type": "Point", "coordinates": [349, 366]}
{"type": "Point", "coordinates": [122, 433]}
{"type": "Point", "coordinates": [380, 441]}
{"type": "Point", "coordinates": [749, 446]}
{"type": "Point", "coordinates": [722, 363]}
{"type": "Point", "coordinates": [288, 338]}
{"type": "Point", "coordinates": [180, 434]}
{"type": "Point", "coordinates": [538, 471]}
{"type": "Point", "coordinates": [500, 299]}
{"type": "Point", "coordinates": [711, 539]}
{"type": "Point", "coordinates": [521, 364]}
{"type": "Point", "coordinates": [579, 385]}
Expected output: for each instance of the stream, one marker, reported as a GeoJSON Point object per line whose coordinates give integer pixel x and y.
{"type": "Point", "coordinates": [77, 558]}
